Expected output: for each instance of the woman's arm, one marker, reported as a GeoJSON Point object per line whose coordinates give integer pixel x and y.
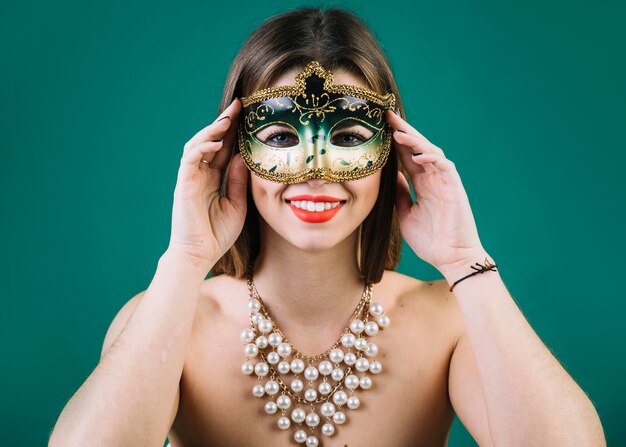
{"type": "Point", "coordinates": [530, 399]}
{"type": "Point", "coordinates": [130, 396]}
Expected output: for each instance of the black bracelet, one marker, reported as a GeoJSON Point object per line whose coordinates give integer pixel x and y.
{"type": "Point", "coordinates": [483, 268]}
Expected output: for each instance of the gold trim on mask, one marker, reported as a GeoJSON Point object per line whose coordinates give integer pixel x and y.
{"type": "Point", "coordinates": [319, 108]}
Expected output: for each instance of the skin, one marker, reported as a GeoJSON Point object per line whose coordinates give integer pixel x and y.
{"type": "Point", "coordinates": [171, 358]}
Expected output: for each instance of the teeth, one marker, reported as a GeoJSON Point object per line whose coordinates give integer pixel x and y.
{"type": "Point", "coordinates": [314, 206]}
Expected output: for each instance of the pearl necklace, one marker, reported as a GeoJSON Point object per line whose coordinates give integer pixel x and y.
{"type": "Point", "coordinates": [264, 333]}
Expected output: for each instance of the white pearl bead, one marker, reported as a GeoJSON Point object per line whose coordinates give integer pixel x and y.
{"type": "Point", "coordinates": [297, 366]}
{"type": "Point", "coordinates": [297, 385]}
{"type": "Point", "coordinates": [275, 339]}
{"type": "Point", "coordinates": [357, 326]}
{"type": "Point", "coordinates": [271, 407]}
{"type": "Point", "coordinates": [328, 429]}
{"type": "Point", "coordinates": [261, 341]}
{"type": "Point", "coordinates": [340, 397]}
{"type": "Point", "coordinates": [258, 390]}
{"type": "Point", "coordinates": [352, 382]}
{"type": "Point", "coordinates": [298, 415]}
{"type": "Point", "coordinates": [325, 367]}
{"type": "Point", "coordinates": [283, 367]}
{"type": "Point", "coordinates": [283, 349]}
{"type": "Point", "coordinates": [283, 402]}
{"type": "Point", "coordinates": [272, 387]}
{"type": "Point", "coordinates": [261, 369]}
{"type": "Point", "coordinates": [371, 328]}
{"type": "Point", "coordinates": [312, 441]}
{"type": "Point", "coordinates": [256, 317]}
{"type": "Point", "coordinates": [371, 350]}
{"type": "Point", "coordinates": [350, 359]}
{"type": "Point", "coordinates": [265, 325]}
{"type": "Point", "coordinates": [328, 409]}
{"type": "Point", "coordinates": [347, 339]}
{"type": "Point", "coordinates": [251, 350]}
{"type": "Point", "coordinates": [312, 419]}
{"type": "Point", "coordinates": [300, 436]}
{"type": "Point", "coordinates": [336, 355]}
{"type": "Point", "coordinates": [353, 402]}
{"type": "Point", "coordinates": [284, 423]}
{"type": "Point", "coordinates": [273, 358]}
{"type": "Point", "coordinates": [324, 388]}
{"type": "Point", "coordinates": [339, 417]}
{"type": "Point", "coordinates": [254, 305]}
{"type": "Point", "coordinates": [360, 344]}
{"type": "Point", "coordinates": [376, 367]}
{"type": "Point", "coordinates": [310, 394]}
{"type": "Point", "coordinates": [383, 321]}
{"type": "Point", "coordinates": [362, 364]}
{"type": "Point", "coordinates": [376, 309]}
{"type": "Point", "coordinates": [247, 368]}
{"type": "Point", "coordinates": [311, 373]}
{"type": "Point", "coordinates": [247, 335]}
{"type": "Point", "coordinates": [337, 374]}
{"type": "Point", "coordinates": [365, 382]}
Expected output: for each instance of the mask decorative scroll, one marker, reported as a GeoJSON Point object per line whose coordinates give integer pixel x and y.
{"type": "Point", "coordinates": [314, 109]}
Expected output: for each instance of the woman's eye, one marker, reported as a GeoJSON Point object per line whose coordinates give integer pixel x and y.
{"type": "Point", "coordinates": [348, 139]}
{"type": "Point", "coordinates": [282, 140]}
{"type": "Point", "coordinates": [278, 136]}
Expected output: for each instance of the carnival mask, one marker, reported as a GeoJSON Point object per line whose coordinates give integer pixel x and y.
{"type": "Point", "coordinates": [316, 116]}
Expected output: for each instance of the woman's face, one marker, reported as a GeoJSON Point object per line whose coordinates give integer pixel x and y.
{"type": "Point", "coordinates": [346, 204]}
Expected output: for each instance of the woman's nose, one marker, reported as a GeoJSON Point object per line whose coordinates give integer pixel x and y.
{"type": "Point", "coordinates": [316, 182]}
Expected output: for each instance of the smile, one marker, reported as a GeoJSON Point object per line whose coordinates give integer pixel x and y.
{"type": "Point", "coordinates": [315, 209]}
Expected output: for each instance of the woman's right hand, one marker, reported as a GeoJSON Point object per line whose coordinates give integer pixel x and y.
{"type": "Point", "coordinates": [204, 224]}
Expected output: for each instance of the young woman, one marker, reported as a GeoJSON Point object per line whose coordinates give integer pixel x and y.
{"type": "Point", "coordinates": [295, 201]}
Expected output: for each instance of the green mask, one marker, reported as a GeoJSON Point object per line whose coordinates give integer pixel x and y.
{"type": "Point", "coordinates": [316, 116]}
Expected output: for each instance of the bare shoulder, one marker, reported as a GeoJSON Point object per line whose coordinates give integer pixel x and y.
{"type": "Point", "coordinates": [219, 295]}
{"type": "Point", "coordinates": [428, 299]}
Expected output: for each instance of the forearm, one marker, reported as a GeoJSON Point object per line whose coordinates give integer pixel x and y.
{"type": "Point", "coordinates": [530, 398]}
{"type": "Point", "coordinates": [128, 398]}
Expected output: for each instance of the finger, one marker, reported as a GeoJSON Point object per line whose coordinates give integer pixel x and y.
{"type": "Point", "coordinates": [404, 200]}
{"type": "Point", "coordinates": [415, 143]}
{"type": "Point", "coordinates": [215, 130]}
{"type": "Point", "coordinates": [224, 155]}
{"type": "Point", "coordinates": [201, 151]}
{"type": "Point", "coordinates": [237, 182]}
{"type": "Point", "coordinates": [438, 161]}
{"type": "Point", "coordinates": [398, 123]}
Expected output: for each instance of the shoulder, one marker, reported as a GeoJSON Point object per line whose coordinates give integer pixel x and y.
{"type": "Point", "coordinates": [223, 294]}
{"type": "Point", "coordinates": [429, 300]}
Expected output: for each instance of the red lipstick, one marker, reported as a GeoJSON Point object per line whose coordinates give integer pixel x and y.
{"type": "Point", "coordinates": [315, 216]}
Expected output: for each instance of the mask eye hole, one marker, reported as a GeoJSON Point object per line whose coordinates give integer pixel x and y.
{"type": "Point", "coordinates": [349, 133]}
{"type": "Point", "coordinates": [278, 135]}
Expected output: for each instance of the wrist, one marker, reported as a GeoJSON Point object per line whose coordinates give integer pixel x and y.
{"type": "Point", "coordinates": [181, 258]}
{"type": "Point", "coordinates": [463, 266]}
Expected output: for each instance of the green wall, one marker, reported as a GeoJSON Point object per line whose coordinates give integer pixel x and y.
{"type": "Point", "coordinates": [98, 99]}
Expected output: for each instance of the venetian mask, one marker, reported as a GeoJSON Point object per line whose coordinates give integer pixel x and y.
{"type": "Point", "coordinates": [315, 129]}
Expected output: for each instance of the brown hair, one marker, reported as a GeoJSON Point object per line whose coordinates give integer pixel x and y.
{"type": "Point", "coordinates": [336, 38]}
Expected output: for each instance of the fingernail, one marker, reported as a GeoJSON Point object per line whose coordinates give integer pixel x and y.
{"type": "Point", "coordinates": [398, 130]}
{"type": "Point", "coordinates": [224, 117]}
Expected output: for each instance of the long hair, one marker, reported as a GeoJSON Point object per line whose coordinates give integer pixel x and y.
{"type": "Point", "coordinates": [336, 38]}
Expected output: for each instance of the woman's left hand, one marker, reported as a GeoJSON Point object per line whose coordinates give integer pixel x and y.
{"type": "Point", "coordinates": [439, 226]}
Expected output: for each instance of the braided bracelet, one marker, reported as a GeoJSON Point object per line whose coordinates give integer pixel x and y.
{"type": "Point", "coordinates": [483, 268]}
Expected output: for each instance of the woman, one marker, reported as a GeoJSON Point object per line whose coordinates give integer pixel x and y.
{"type": "Point", "coordinates": [303, 254]}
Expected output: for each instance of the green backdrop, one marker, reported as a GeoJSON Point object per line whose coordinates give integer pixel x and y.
{"type": "Point", "coordinates": [98, 99]}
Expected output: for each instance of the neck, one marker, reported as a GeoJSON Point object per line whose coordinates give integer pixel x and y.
{"type": "Point", "coordinates": [308, 291]}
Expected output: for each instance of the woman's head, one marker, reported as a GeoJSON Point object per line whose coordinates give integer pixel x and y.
{"type": "Point", "coordinates": [272, 56]}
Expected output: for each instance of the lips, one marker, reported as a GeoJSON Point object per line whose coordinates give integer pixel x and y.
{"type": "Point", "coordinates": [315, 216]}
